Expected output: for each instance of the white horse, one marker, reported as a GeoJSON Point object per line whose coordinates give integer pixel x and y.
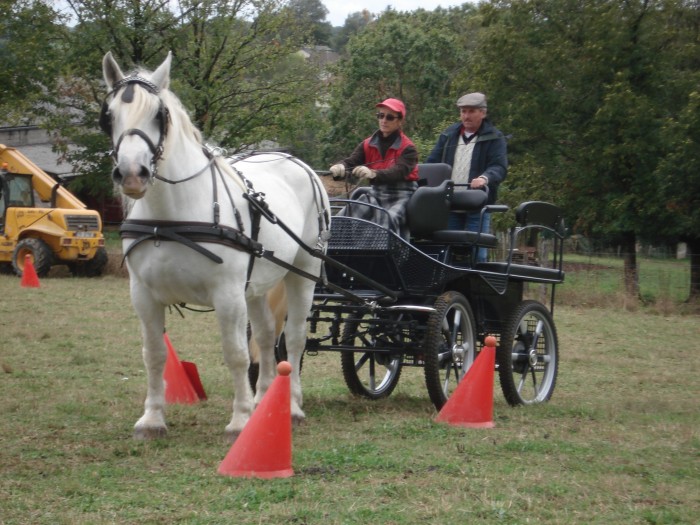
{"type": "Point", "coordinates": [190, 237]}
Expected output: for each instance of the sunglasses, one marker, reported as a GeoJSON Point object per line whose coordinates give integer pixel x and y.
{"type": "Point", "coordinates": [388, 118]}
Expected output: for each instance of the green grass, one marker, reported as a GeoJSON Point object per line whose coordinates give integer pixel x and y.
{"type": "Point", "coordinates": [618, 443]}
{"type": "Point", "coordinates": [663, 283]}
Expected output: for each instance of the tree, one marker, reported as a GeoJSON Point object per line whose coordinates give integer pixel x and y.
{"type": "Point", "coordinates": [31, 58]}
{"type": "Point", "coordinates": [680, 170]}
{"type": "Point", "coordinates": [399, 55]}
{"type": "Point", "coordinates": [235, 67]}
{"type": "Point", "coordinates": [354, 23]}
{"type": "Point", "coordinates": [312, 14]}
{"type": "Point", "coordinates": [583, 86]}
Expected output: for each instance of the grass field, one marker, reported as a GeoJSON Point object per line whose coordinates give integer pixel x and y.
{"type": "Point", "coordinates": [618, 443]}
{"type": "Point", "coordinates": [664, 283]}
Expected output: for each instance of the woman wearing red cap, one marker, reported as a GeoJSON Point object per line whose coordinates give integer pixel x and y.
{"type": "Point", "coordinates": [388, 159]}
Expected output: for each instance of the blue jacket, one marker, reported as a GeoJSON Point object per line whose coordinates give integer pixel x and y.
{"type": "Point", "coordinates": [490, 156]}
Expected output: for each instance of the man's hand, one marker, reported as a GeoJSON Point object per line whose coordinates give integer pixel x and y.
{"type": "Point", "coordinates": [363, 172]}
{"type": "Point", "coordinates": [479, 182]}
{"type": "Point", "coordinates": [337, 171]}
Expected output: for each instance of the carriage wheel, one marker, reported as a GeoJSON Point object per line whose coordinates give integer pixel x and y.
{"type": "Point", "coordinates": [528, 355]}
{"type": "Point", "coordinates": [368, 374]}
{"type": "Point", "coordinates": [450, 346]}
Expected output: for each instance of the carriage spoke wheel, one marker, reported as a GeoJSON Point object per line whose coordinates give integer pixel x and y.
{"type": "Point", "coordinates": [368, 374]}
{"type": "Point", "coordinates": [450, 346]}
{"type": "Point", "coordinates": [528, 355]}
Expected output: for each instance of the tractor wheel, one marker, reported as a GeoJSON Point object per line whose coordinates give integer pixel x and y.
{"type": "Point", "coordinates": [92, 267]}
{"type": "Point", "coordinates": [40, 254]}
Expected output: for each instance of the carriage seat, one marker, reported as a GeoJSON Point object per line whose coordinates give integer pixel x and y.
{"type": "Point", "coordinates": [429, 209]}
{"type": "Point", "coordinates": [434, 175]}
{"type": "Point", "coordinates": [535, 218]}
{"type": "Point", "coordinates": [469, 201]}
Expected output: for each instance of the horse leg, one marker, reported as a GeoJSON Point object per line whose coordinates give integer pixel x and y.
{"type": "Point", "coordinates": [152, 316]}
{"type": "Point", "coordinates": [299, 294]}
{"type": "Point", "coordinates": [232, 322]}
{"type": "Point", "coordinates": [262, 323]}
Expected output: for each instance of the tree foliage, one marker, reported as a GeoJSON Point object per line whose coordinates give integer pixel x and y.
{"type": "Point", "coordinates": [399, 55]}
{"type": "Point", "coordinates": [30, 51]}
{"type": "Point", "coordinates": [235, 67]}
{"type": "Point", "coordinates": [311, 15]}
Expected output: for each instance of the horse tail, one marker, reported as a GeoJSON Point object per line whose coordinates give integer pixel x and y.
{"type": "Point", "coordinates": [277, 301]}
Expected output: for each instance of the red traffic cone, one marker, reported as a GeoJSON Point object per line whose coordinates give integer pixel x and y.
{"type": "Point", "coordinates": [29, 277]}
{"type": "Point", "coordinates": [193, 376]}
{"type": "Point", "coordinates": [471, 404]}
{"type": "Point", "coordinates": [264, 447]}
{"type": "Point", "coordinates": [178, 387]}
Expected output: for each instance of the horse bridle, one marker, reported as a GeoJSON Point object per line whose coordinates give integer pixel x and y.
{"type": "Point", "coordinates": [163, 117]}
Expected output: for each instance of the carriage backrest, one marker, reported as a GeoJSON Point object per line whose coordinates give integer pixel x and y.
{"type": "Point", "coordinates": [434, 174]}
{"type": "Point", "coordinates": [542, 214]}
{"type": "Point", "coordinates": [429, 208]}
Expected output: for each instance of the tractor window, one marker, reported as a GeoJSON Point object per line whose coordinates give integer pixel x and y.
{"type": "Point", "coordinates": [20, 190]}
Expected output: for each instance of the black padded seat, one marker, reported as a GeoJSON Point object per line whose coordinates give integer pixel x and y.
{"type": "Point", "coordinates": [485, 240]}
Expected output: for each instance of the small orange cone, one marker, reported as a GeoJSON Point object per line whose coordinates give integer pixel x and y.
{"type": "Point", "coordinates": [178, 387]}
{"type": "Point", "coordinates": [471, 404]}
{"type": "Point", "coordinates": [264, 447]}
{"type": "Point", "coordinates": [29, 277]}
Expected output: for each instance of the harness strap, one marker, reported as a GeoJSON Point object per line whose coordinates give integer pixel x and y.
{"type": "Point", "coordinates": [189, 234]}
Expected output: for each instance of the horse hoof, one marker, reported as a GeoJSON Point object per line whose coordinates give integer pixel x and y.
{"type": "Point", "coordinates": [147, 434]}
{"type": "Point", "coordinates": [298, 421]}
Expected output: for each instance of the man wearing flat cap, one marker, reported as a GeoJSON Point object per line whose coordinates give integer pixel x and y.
{"type": "Point", "coordinates": [477, 152]}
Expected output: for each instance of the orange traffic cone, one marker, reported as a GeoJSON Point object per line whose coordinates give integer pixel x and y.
{"type": "Point", "coordinates": [178, 387]}
{"type": "Point", "coordinates": [264, 447]}
{"type": "Point", "coordinates": [29, 277]}
{"type": "Point", "coordinates": [471, 404]}
{"type": "Point", "coordinates": [195, 381]}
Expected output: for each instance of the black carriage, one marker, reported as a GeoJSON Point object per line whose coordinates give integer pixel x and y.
{"type": "Point", "coordinates": [386, 303]}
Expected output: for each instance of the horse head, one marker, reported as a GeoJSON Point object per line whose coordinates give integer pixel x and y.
{"type": "Point", "coordinates": [136, 120]}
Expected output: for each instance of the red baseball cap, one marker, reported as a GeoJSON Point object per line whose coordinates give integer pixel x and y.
{"type": "Point", "coordinates": [394, 104]}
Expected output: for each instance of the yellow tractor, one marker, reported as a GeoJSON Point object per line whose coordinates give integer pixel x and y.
{"type": "Point", "coordinates": [42, 219]}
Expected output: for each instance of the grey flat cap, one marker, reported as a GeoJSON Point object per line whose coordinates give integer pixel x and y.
{"type": "Point", "coordinates": [472, 100]}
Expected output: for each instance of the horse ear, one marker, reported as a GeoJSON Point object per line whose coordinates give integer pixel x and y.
{"type": "Point", "coordinates": [111, 71]}
{"type": "Point", "coordinates": [161, 76]}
